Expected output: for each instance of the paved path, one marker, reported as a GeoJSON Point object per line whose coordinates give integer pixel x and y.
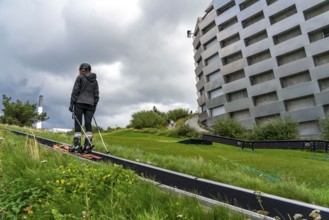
{"type": "Point", "coordinates": [193, 122]}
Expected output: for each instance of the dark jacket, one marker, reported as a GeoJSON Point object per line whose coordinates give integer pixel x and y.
{"type": "Point", "coordinates": [85, 91]}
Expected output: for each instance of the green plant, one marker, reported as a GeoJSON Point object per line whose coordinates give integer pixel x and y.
{"type": "Point", "coordinates": [276, 129]}
{"type": "Point", "coordinates": [180, 122]}
{"type": "Point", "coordinates": [85, 184]}
{"type": "Point", "coordinates": [19, 113]}
{"type": "Point", "coordinates": [258, 195]}
{"type": "Point", "coordinates": [266, 170]}
{"type": "Point", "coordinates": [60, 187]}
{"type": "Point", "coordinates": [176, 114]}
{"type": "Point", "coordinates": [184, 131]}
{"type": "Point", "coordinates": [17, 198]}
{"type": "Point", "coordinates": [228, 127]}
{"type": "Point", "coordinates": [147, 119]}
{"type": "Point", "coordinates": [324, 124]}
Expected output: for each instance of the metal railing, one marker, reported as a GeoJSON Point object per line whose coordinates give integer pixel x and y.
{"type": "Point", "coordinates": [276, 144]}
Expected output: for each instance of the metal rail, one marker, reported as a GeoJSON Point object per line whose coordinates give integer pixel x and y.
{"type": "Point", "coordinates": [232, 195]}
{"type": "Point", "coordinates": [276, 144]}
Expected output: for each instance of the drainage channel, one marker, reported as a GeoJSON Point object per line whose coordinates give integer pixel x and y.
{"type": "Point", "coordinates": [253, 202]}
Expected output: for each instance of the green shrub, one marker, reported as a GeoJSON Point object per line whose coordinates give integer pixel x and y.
{"type": "Point", "coordinates": [276, 129]}
{"type": "Point", "coordinates": [228, 127]}
{"type": "Point", "coordinates": [176, 114]}
{"type": "Point", "coordinates": [184, 131]}
{"type": "Point", "coordinates": [147, 119]}
{"type": "Point", "coordinates": [324, 124]}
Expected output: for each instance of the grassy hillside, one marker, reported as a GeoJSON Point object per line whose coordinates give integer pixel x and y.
{"type": "Point", "coordinates": [292, 174]}
{"type": "Point", "coordinates": [40, 183]}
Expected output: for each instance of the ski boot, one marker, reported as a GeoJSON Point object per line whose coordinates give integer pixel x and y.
{"type": "Point", "coordinates": [88, 143]}
{"type": "Point", "coordinates": [76, 147]}
{"type": "Point", "coordinates": [87, 149]}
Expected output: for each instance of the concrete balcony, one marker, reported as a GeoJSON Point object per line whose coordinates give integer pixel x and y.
{"type": "Point", "coordinates": [211, 68]}
{"type": "Point", "coordinates": [200, 84]}
{"type": "Point", "coordinates": [306, 114]}
{"type": "Point", "coordinates": [262, 88]}
{"type": "Point", "coordinates": [203, 115]}
{"type": "Point", "coordinates": [299, 90]}
{"type": "Point", "coordinates": [289, 45]}
{"type": "Point", "coordinates": [207, 20]}
{"type": "Point", "coordinates": [199, 69]}
{"type": "Point", "coordinates": [234, 66]}
{"type": "Point", "coordinates": [319, 72]}
{"type": "Point", "coordinates": [272, 108]}
{"type": "Point", "coordinates": [197, 54]}
{"type": "Point", "coordinates": [236, 85]}
{"type": "Point", "coordinates": [317, 47]}
{"type": "Point", "coordinates": [215, 102]}
{"type": "Point", "coordinates": [196, 40]}
{"type": "Point", "coordinates": [209, 35]}
{"type": "Point", "coordinates": [238, 105]}
{"type": "Point", "coordinates": [294, 67]}
{"type": "Point", "coordinates": [201, 100]}
{"type": "Point", "coordinates": [322, 98]}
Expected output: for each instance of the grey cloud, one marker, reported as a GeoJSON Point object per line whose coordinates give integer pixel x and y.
{"type": "Point", "coordinates": [57, 37]}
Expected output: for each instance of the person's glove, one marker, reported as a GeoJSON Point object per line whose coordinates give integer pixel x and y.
{"type": "Point", "coordinates": [71, 108]}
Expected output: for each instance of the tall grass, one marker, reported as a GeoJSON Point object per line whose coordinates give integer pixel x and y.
{"type": "Point", "coordinates": [293, 174]}
{"type": "Point", "coordinates": [38, 183]}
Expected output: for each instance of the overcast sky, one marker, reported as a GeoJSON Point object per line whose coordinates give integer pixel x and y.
{"type": "Point", "coordinates": [137, 48]}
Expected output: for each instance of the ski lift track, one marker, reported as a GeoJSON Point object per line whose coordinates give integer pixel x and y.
{"type": "Point", "coordinates": [211, 193]}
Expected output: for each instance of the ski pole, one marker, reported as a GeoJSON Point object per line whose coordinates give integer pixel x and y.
{"type": "Point", "coordinates": [107, 151]}
{"type": "Point", "coordinates": [83, 130]}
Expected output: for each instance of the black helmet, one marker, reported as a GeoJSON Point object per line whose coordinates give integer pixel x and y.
{"type": "Point", "coordinates": [85, 66]}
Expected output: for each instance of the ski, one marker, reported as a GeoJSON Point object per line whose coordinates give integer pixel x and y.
{"type": "Point", "coordinates": [86, 155]}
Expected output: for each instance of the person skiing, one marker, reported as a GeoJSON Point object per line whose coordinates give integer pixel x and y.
{"type": "Point", "coordinates": [84, 99]}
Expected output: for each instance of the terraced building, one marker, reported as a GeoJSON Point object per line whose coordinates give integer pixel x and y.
{"type": "Point", "coordinates": [260, 59]}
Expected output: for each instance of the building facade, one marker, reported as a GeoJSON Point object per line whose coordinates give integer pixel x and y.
{"type": "Point", "coordinates": [261, 59]}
